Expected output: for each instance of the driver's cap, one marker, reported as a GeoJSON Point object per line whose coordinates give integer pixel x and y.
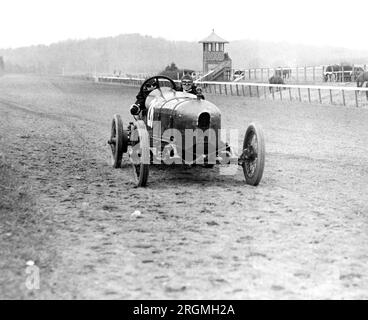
{"type": "Point", "coordinates": [187, 78]}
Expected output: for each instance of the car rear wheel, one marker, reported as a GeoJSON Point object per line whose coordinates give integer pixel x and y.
{"type": "Point", "coordinates": [139, 153]}
{"type": "Point", "coordinates": [253, 154]}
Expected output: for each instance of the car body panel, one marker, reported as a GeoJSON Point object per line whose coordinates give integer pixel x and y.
{"type": "Point", "coordinates": [184, 112]}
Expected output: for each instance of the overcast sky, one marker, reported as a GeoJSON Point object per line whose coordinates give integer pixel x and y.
{"type": "Point", "coordinates": [318, 22]}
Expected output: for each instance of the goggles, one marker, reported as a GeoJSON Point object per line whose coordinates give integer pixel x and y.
{"type": "Point", "coordinates": [186, 83]}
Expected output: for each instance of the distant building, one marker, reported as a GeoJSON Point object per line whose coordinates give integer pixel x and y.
{"type": "Point", "coordinates": [215, 58]}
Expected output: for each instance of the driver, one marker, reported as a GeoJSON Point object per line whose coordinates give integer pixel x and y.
{"type": "Point", "coordinates": [139, 105]}
{"type": "Point", "coordinates": [188, 86]}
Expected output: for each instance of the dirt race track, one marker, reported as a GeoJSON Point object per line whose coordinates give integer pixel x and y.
{"type": "Point", "coordinates": [302, 233]}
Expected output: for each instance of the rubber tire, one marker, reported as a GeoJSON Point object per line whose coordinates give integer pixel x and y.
{"type": "Point", "coordinates": [116, 133]}
{"type": "Point", "coordinates": [260, 161]}
{"type": "Point", "coordinates": [121, 141]}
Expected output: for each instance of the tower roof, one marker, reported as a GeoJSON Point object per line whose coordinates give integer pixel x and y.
{"type": "Point", "coordinates": [213, 37]}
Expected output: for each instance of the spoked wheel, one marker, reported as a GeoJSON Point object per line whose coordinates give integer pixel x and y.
{"type": "Point", "coordinates": [118, 141]}
{"type": "Point", "coordinates": [139, 153]}
{"type": "Point", "coordinates": [253, 156]}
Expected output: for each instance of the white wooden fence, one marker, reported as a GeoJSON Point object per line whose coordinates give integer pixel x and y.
{"type": "Point", "coordinates": [303, 93]}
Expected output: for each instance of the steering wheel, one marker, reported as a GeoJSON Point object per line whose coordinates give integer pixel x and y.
{"type": "Point", "coordinates": [156, 80]}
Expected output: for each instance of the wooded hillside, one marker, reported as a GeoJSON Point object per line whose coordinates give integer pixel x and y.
{"type": "Point", "coordinates": [134, 53]}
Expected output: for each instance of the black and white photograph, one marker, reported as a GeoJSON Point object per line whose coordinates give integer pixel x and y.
{"type": "Point", "coordinates": [183, 150]}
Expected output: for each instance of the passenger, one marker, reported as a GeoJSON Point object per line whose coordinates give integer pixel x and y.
{"type": "Point", "coordinates": [140, 105]}
{"type": "Point", "coordinates": [188, 86]}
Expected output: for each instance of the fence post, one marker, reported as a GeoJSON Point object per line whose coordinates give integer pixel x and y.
{"type": "Point", "coordinates": [237, 90]}
{"type": "Point", "coordinates": [250, 73]}
{"type": "Point", "coordinates": [273, 93]}
{"type": "Point", "coordinates": [255, 74]}
{"type": "Point", "coordinates": [281, 93]}
{"type": "Point", "coordinates": [231, 89]}
{"type": "Point", "coordinates": [319, 95]}
{"type": "Point", "coordinates": [268, 73]}
{"type": "Point", "coordinates": [264, 91]}
{"type": "Point", "coordinates": [262, 74]}
{"type": "Point", "coordinates": [290, 94]}
{"type": "Point", "coordinates": [356, 98]}
{"type": "Point", "coordinates": [257, 92]}
{"type": "Point", "coordinates": [343, 97]}
{"type": "Point", "coordinates": [299, 94]}
{"type": "Point", "coordinates": [243, 90]}
{"type": "Point", "coordinates": [314, 73]}
{"type": "Point", "coordinates": [309, 96]}
{"type": "Point", "coordinates": [331, 97]}
{"type": "Point", "coordinates": [250, 91]}
{"type": "Point", "coordinates": [305, 73]}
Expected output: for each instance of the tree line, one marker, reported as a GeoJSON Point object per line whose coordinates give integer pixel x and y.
{"type": "Point", "coordinates": [134, 53]}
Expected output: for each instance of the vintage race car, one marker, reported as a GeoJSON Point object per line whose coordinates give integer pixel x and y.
{"type": "Point", "coordinates": [178, 128]}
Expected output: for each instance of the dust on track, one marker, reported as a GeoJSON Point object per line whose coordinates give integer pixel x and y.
{"type": "Point", "coordinates": [301, 234]}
